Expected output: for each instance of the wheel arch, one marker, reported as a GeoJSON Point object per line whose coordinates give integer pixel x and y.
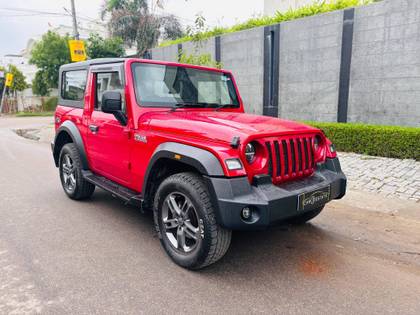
{"type": "Point", "coordinates": [170, 158]}
{"type": "Point", "coordinates": [69, 133]}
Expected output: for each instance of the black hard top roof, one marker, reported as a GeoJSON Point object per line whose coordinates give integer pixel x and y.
{"type": "Point", "coordinates": [87, 63]}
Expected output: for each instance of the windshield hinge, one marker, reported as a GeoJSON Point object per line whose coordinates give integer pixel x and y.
{"type": "Point", "coordinates": [235, 142]}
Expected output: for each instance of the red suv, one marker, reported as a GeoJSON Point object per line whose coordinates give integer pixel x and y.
{"type": "Point", "coordinates": [174, 139]}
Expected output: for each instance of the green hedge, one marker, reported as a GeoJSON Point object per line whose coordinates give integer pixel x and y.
{"type": "Point", "coordinates": [34, 114]}
{"type": "Point", "coordinates": [318, 7]}
{"type": "Point", "coordinates": [50, 104]}
{"type": "Point", "coordinates": [388, 141]}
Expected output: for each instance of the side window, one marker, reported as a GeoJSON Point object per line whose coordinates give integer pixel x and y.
{"type": "Point", "coordinates": [108, 81]}
{"type": "Point", "coordinates": [74, 84]}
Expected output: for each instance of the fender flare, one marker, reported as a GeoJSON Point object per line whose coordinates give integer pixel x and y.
{"type": "Point", "coordinates": [71, 129]}
{"type": "Point", "coordinates": [202, 160]}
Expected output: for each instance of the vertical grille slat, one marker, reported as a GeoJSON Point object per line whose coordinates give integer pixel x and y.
{"type": "Point", "coordinates": [270, 158]}
{"type": "Point", "coordinates": [290, 158]}
{"type": "Point", "coordinates": [305, 145]}
{"type": "Point", "coordinates": [312, 152]}
{"type": "Point", "coordinates": [278, 163]}
{"type": "Point", "coordinates": [293, 149]}
{"type": "Point", "coordinates": [285, 157]}
{"type": "Point", "coordinates": [296, 160]}
{"type": "Point", "coordinates": [273, 160]}
{"type": "Point", "coordinates": [299, 146]}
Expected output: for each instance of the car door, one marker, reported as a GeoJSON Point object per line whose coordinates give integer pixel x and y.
{"type": "Point", "coordinates": [108, 140]}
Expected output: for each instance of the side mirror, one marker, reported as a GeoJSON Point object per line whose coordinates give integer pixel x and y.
{"type": "Point", "coordinates": [112, 104]}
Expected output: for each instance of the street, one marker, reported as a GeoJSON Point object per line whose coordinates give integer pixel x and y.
{"type": "Point", "coordinates": [59, 256]}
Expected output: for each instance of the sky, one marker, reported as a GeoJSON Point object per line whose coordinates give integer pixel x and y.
{"type": "Point", "coordinates": [17, 26]}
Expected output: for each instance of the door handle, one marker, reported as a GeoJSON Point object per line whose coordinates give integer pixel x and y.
{"type": "Point", "coordinates": [93, 128]}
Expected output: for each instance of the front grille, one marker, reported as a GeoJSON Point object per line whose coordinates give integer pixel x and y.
{"type": "Point", "coordinates": [290, 157]}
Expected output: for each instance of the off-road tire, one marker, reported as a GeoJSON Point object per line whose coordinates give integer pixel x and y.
{"type": "Point", "coordinates": [83, 189]}
{"type": "Point", "coordinates": [215, 240]}
{"type": "Point", "coordinates": [307, 216]}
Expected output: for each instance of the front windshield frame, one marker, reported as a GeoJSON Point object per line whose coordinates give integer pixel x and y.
{"type": "Point", "coordinates": [234, 103]}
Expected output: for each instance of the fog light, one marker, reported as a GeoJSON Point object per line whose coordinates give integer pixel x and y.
{"type": "Point", "coordinates": [246, 213]}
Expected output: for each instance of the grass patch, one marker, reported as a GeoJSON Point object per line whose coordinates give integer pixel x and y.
{"type": "Point", "coordinates": [289, 15]}
{"type": "Point", "coordinates": [387, 141]}
{"type": "Point", "coordinates": [34, 114]}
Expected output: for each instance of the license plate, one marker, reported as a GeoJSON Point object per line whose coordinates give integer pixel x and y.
{"type": "Point", "coordinates": [313, 199]}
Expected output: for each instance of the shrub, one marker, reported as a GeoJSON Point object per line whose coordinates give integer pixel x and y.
{"type": "Point", "coordinates": [317, 7]}
{"type": "Point", "coordinates": [387, 141]}
{"type": "Point", "coordinates": [50, 104]}
{"type": "Point", "coordinates": [199, 60]}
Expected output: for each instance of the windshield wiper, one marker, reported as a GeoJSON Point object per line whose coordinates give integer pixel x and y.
{"type": "Point", "coordinates": [209, 104]}
{"type": "Point", "coordinates": [183, 105]}
{"type": "Point", "coordinates": [198, 104]}
{"type": "Point", "coordinates": [220, 106]}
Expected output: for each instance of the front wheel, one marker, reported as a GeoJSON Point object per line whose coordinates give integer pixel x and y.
{"type": "Point", "coordinates": [186, 222]}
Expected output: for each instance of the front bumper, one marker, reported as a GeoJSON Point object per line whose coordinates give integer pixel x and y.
{"type": "Point", "coordinates": [270, 203]}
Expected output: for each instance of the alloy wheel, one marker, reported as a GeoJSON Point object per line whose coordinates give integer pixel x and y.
{"type": "Point", "coordinates": [181, 222]}
{"type": "Point", "coordinates": [69, 173]}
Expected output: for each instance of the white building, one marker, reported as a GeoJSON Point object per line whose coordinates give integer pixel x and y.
{"type": "Point", "coordinates": [272, 6]}
{"type": "Point", "coordinates": [22, 63]}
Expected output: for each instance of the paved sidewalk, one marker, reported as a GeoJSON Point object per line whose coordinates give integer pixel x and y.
{"type": "Point", "coordinates": [386, 176]}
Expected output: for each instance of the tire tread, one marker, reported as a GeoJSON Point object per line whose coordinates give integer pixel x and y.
{"type": "Point", "coordinates": [84, 189]}
{"type": "Point", "coordinates": [220, 237]}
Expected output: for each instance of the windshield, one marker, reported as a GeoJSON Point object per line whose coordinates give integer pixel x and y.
{"type": "Point", "coordinates": [169, 86]}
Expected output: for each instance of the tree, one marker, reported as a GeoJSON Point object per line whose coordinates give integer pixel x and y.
{"type": "Point", "coordinates": [18, 84]}
{"type": "Point", "coordinates": [132, 21]}
{"type": "Point", "coordinates": [98, 47]}
{"type": "Point", "coordinates": [172, 28]}
{"type": "Point", "coordinates": [2, 80]}
{"type": "Point", "coordinates": [39, 84]}
{"type": "Point", "coordinates": [19, 80]}
{"type": "Point", "coordinates": [48, 55]}
{"type": "Point", "coordinates": [195, 33]}
{"type": "Point", "coordinates": [136, 24]}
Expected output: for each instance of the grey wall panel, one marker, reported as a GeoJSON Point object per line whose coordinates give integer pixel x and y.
{"type": "Point", "coordinates": [203, 47]}
{"type": "Point", "coordinates": [310, 53]}
{"type": "Point", "coordinates": [169, 53]}
{"type": "Point", "coordinates": [243, 54]}
{"type": "Point", "coordinates": [385, 73]}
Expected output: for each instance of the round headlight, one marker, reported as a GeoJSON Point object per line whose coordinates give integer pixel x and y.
{"type": "Point", "coordinates": [250, 153]}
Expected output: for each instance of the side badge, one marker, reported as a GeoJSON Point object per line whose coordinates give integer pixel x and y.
{"type": "Point", "coordinates": [140, 138]}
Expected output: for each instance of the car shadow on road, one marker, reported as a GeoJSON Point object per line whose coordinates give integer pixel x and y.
{"type": "Point", "coordinates": [308, 249]}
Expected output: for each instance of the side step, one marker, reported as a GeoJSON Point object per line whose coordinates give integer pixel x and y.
{"type": "Point", "coordinates": [126, 194]}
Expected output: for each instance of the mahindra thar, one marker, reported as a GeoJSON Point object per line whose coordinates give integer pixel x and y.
{"type": "Point", "coordinates": [174, 139]}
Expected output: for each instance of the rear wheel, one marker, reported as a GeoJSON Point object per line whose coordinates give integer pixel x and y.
{"type": "Point", "coordinates": [74, 185]}
{"type": "Point", "coordinates": [307, 216]}
{"type": "Point", "coordinates": [186, 223]}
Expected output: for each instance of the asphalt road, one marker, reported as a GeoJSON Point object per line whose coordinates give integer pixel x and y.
{"type": "Point", "coordinates": [59, 256]}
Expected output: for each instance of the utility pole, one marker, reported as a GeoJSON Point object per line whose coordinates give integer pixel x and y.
{"type": "Point", "coordinates": [73, 14]}
{"type": "Point", "coordinates": [3, 97]}
{"type": "Point", "coordinates": [3, 76]}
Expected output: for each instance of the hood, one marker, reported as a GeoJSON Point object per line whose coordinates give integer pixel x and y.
{"type": "Point", "coordinates": [222, 126]}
